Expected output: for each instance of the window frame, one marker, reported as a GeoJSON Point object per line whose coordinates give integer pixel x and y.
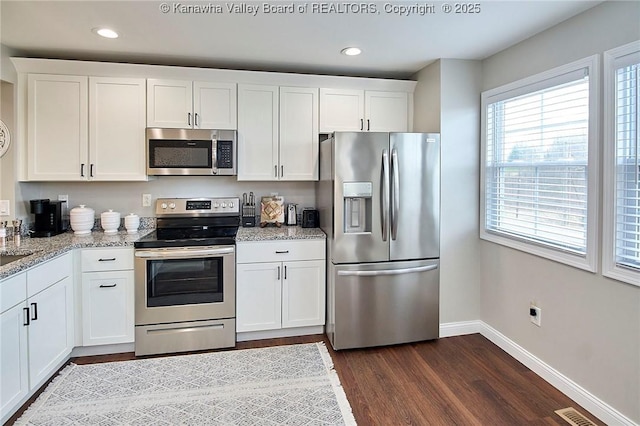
{"type": "Point", "coordinates": [588, 260]}
{"type": "Point", "coordinates": [609, 266]}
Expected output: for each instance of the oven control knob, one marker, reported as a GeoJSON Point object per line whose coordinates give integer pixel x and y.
{"type": "Point", "coordinates": [230, 205]}
{"type": "Point", "coordinates": [172, 205]}
{"type": "Point", "coordinates": [216, 205]}
{"type": "Point", "coordinates": [163, 205]}
{"type": "Point", "coordinates": [224, 205]}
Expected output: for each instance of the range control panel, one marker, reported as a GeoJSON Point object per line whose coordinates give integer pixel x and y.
{"type": "Point", "coordinates": [197, 206]}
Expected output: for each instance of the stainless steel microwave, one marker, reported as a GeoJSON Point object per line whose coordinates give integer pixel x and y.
{"type": "Point", "coordinates": [191, 152]}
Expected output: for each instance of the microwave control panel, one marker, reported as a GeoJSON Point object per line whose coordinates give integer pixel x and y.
{"type": "Point", "coordinates": [225, 155]}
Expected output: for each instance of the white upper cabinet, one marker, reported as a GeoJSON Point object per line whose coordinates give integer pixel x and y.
{"type": "Point", "coordinates": [277, 133]}
{"type": "Point", "coordinates": [298, 133]}
{"type": "Point", "coordinates": [257, 132]}
{"type": "Point", "coordinates": [82, 128]}
{"type": "Point", "coordinates": [57, 135]}
{"type": "Point", "coordinates": [363, 111]}
{"type": "Point", "coordinates": [116, 129]}
{"type": "Point", "coordinates": [182, 104]}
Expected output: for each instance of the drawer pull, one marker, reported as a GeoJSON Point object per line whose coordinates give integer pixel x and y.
{"type": "Point", "coordinates": [35, 311]}
{"type": "Point", "coordinates": [282, 251]}
{"type": "Point", "coordinates": [107, 286]}
{"type": "Point", "coordinates": [107, 260]}
{"type": "Point", "coordinates": [26, 316]}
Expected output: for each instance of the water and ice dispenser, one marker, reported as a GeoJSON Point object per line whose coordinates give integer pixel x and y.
{"type": "Point", "coordinates": [357, 207]}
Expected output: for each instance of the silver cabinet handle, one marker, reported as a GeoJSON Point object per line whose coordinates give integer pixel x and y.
{"type": "Point", "coordinates": [91, 170]}
{"type": "Point", "coordinates": [278, 272]}
{"type": "Point", "coordinates": [395, 194]}
{"type": "Point", "coordinates": [26, 321]}
{"type": "Point", "coordinates": [361, 124]}
{"type": "Point", "coordinates": [368, 125]}
{"type": "Point", "coordinates": [107, 285]}
{"type": "Point", "coordinates": [111, 259]}
{"type": "Point", "coordinates": [387, 271]}
{"type": "Point", "coordinates": [189, 118]}
{"type": "Point", "coordinates": [196, 119]}
{"type": "Point", "coordinates": [82, 170]}
{"type": "Point", "coordinates": [282, 251]}
{"type": "Point", "coordinates": [385, 194]}
{"type": "Point", "coordinates": [281, 171]}
{"type": "Point", "coordinates": [275, 168]}
{"type": "Point", "coordinates": [285, 272]}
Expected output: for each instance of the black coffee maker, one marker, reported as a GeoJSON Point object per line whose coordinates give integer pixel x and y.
{"type": "Point", "coordinates": [48, 218]}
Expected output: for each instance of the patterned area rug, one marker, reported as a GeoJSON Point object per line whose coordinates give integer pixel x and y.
{"type": "Point", "coordinates": [290, 385]}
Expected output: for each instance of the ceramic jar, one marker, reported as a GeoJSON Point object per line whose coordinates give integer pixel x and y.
{"type": "Point", "coordinates": [110, 221]}
{"type": "Point", "coordinates": [82, 219]}
{"type": "Point", "coordinates": [131, 222]}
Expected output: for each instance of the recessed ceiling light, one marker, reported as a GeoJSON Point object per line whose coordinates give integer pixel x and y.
{"type": "Point", "coordinates": [351, 51]}
{"type": "Point", "coordinates": [105, 32]}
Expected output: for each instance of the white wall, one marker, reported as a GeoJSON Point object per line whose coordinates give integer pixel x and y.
{"type": "Point", "coordinates": [590, 324]}
{"type": "Point", "coordinates": [126, 197]}
{"type": "Point", "coordinates": [446, 101]}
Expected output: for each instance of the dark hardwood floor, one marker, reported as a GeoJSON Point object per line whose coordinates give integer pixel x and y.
{"type": "Point", "coordinates": [464, 380]}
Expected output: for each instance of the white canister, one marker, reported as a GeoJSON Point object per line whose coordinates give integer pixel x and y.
{"type": "Point", "coordinates": [131, 222]}
{"type": "Point", "coordinates": [82, 219]}
{"type": "Point", "coordinates": [110, 221]}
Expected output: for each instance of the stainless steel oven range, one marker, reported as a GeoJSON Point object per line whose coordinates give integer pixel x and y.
{"type": "Point", "coordinates": [185, 277]}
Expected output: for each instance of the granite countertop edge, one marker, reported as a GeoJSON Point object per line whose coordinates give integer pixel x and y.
{"type": "Point", "coordinates": [42, 249]}
{"type": "Point", "coordinates": [252, 234]}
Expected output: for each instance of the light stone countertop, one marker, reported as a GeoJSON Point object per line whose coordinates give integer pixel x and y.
{"type": "Point", "coordinates": [42, 249]}
{"type": "Point", "coordinates": [271, 233]}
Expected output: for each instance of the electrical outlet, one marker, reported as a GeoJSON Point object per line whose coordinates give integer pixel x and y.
{"type": "Point", "coordinates": [146, 200]}
{"type": "Point", "coordinates": [4, 208]}
{"type": "Point", "coordinates": [64, 198]}
{"type": "Point", "coordinates": [535, 314]}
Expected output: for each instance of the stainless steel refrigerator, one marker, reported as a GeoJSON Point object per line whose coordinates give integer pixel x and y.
{"type": "Point", "coordinates": [379, 202]}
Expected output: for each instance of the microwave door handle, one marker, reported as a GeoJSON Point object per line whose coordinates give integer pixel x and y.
{"type": "Point", "coordinates": [214, 156]}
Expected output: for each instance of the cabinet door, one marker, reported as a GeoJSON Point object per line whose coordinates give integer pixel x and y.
{"type": "Point", "coordinates": [51, 330]}
{"type": "Point", "coordinates": [215, 105]}
{"type": "Point", "coordinates": [303, 293]}
{"type": "Point", "coordinates": [386, 111]}
{"type": "Point", "coordinates": [107, 308]}
{"type": "Point", "coordinates": [341, 110]}
{"type": "Point", "coordinates": [14, 380]}
{"type": "Point", "coordinates": [57, 127]}
{"type": "Point", "coordinates": [298, 133]}
{"type": "Point", "coordinates": [117, 108]}
{"type": "Point", "coordinates": [258, 296]}
{"type": "Point", "coordinates": [258, 132]}
{"type": "Point", "coordinates": [169, 104]}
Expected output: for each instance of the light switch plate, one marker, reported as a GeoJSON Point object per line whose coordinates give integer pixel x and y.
{"type": "Point", "coordinates": [4, 208]}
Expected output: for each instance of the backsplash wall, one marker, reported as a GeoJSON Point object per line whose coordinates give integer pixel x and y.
{"type": "Point", "coordinates": [126, 197]}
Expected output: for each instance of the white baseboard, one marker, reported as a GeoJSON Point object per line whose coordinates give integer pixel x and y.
{"type": "Point", "coordinates": [596, 406]}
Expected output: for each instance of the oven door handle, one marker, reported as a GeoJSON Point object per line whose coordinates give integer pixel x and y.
{"type": "Point", "coordinates": [183, 253]}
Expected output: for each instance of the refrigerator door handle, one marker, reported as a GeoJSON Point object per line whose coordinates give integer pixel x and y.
{"type": "Point", "coordinates": [395, 194]}
{"type": "Point", "coordinates": [385, 194]}
{"type": "Point", "coordinates": [388, 271]}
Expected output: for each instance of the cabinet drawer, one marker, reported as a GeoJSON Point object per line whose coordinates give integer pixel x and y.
{"type": "Point", "coordinates": [48, 273]}
{"type": "Point", "coordinates": [282, 250]}
{"type": "Point", "coordinates": [13, 291]}
{"type": "Point", "coordinates": [107, 259]}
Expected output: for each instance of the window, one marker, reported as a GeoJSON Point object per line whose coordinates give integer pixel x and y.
{"type": "Point", "coordinates": [621, 257]}
{"type": "Point", "coordinates": [539, 164]}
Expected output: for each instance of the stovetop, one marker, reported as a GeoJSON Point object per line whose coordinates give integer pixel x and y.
{"type": "Point", "coordinates": [187, 222]}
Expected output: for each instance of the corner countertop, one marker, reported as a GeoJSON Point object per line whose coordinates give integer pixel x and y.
{"type": "Point", "coordinates": [42, 249]}
{"type": "Point", "coordinates": [272, 233]}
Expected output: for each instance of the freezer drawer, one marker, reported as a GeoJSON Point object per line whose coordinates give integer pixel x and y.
{"type": "Point", "coordinates": [376, 304]}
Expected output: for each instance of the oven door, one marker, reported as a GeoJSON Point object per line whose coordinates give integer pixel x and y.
{"type": "Point", "coordinates": [184, 284]}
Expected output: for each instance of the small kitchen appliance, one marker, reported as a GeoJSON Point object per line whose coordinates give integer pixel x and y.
{"type": "Point", "coordinates": [292, 214]}
{"type": "Point", "coordinates": [185, 279]}
{"type": "Point", "coordinates": [310, 218]}
{"type": "Point", "coordinates": [48, 218]}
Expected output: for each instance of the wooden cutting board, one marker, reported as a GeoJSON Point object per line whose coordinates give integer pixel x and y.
{"type": "Point", "coordinates": [272, 210]}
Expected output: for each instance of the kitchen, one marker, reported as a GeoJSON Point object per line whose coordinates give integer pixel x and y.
{"type": "Point", "coordinates": [477, 278]}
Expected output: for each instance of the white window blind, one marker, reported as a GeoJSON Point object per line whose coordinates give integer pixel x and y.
{"type": "Point", "coordinates": [536, 163]}
{"type": "Point", "coordinates": [627, 166]}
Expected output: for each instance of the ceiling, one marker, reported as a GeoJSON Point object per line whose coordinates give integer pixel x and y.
{"type": "Point", "coordinates": [393, 45]}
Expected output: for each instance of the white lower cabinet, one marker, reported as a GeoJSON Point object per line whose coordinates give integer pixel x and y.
{"type": "Point", "coordinates": [36, 326]}
{"type": "Point", "coordinates": [274, 294]}
{"type": "Point", "coordinates": [107, 296]}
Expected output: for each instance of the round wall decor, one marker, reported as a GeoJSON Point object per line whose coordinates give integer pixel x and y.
{"type": "Point", "coordinates": [5, 138]}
